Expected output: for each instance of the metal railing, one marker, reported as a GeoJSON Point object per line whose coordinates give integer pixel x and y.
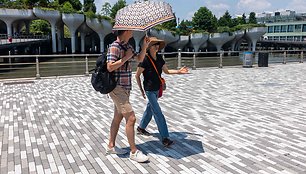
{"type": "Point", "coordinates": [38, 66]}
{"type": "Point", "coordinates": [4, 39]}
{"type": "Point", "coordinates": [232, 58]}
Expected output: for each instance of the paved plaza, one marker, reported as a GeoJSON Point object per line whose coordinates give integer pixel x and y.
{"type": "Point", "coordinates": [230, 120]}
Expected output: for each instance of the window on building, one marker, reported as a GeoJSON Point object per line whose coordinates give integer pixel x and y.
{"type": "Point", "coordinates": [289, 38]}
{"type": "Point", "coordinates": [284, 28]}
{"type": "Point", "coordinates": [304, 28]}
{"type": "Point", "coordinates": [270, 29]}
{"type": "Point", "coordinates": [283, 38]}
{"type": "Point", "coordinates": [276, 37]}
{"type": "Point", "coordinates": [290, 28]}
{"type": "Point", "coordinates": [298, 28]}
{"type": "Point", "coordinates": [276, 29]}
{"type": "Point", "coordinates": [297, 38]}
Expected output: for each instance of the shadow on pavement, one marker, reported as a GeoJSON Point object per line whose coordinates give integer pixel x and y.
{"type": "Point", "coordinates": [185, 144]}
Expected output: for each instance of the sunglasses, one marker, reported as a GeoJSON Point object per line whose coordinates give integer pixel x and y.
{"type": "Point", "coordinates": [156, 44]}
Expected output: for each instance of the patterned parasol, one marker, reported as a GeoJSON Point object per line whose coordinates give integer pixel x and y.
{"type": "Point", "coordinates": [141, 16]}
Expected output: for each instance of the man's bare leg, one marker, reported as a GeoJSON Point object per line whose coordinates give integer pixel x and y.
{"type": "Point", "coordinates": [129, 129]}
{"type": "Point", "coordinates": [114, 128]}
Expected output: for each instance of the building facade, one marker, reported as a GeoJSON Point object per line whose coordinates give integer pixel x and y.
{"type": "Point", "coordinates": [285, 26]}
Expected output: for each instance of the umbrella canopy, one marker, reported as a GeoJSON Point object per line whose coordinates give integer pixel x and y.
{"type": "Point", "coordinates": [141, 16]}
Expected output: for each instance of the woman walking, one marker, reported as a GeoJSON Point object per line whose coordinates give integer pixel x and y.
{"type": "Point", "coordinates": [152, 67]}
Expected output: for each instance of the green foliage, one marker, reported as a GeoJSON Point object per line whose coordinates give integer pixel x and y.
{"type": "Point", "coordinates": [223, 29]}
{"type": "Point", "coordinates": [54, 5]}
{"type": "Point", "coordinates": [243, 21]}
{"type": "Point", "coordinates": [90, 14]}
{"type": "Point", "coordinates": [89, 6]}
{"type": "Point", "coordinates": [66, 32]}
{"type": "Point", "coordinates": [199, 31]}
{"type": "Point", "coordinates": [184, 28]}
{"type": "Point", "coordinates": [170, 25]}
{"type": "Point", "coordinates": [225, 20]}
{"type": "Point", "coordinates": [40, 27]}
{"type": "Point", "coordinates": [67, 8]}
{"type": "Point", "coordinates": [76, 4]}
{"type": "Point", "coordinates": [106, 9]}
{"type": "Point", "coordinates": [14, 4]}
{"type": "Point", "coordinates": [247, 26]}
{"type": "Point", "coordinates": [100, 17]}
{"type": "Point", "coordinates": [117, 6]}
{"type": "Point", "coordinates": [203, 19]}
{"type": "Point", "coordinates": [252, 18]}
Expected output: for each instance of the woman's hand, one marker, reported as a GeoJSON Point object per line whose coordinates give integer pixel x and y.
{"type": "Point", "coordinates": [143, 93]}
{"type": "Point", "coordinates": [146, 42]}
{"type": "Point", "coordinates": [183, 70]}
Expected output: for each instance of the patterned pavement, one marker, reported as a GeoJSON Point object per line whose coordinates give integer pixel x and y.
{"type": "Point", "coordinates": [230, 120]}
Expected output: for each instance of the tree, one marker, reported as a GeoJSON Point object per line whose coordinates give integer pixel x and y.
{"type": "Point", "coordinates": [89, 6]}
{"type": "Point", "coordinates": [235, 21]}
{"type": "Point", "coordinates": [40, 27]}
{"type": "Point", "coordinates": [170, 25]}
{"type": "Point", "coordinates": [185, 27]}
{"type": "Point", "coordinates": [76, 4]}
{"type": "Point", "coordinates": [67, 8]}
{"type": "Point", "coordinates": [106, 9]}
{"type": "Point", "coordinates": [117, 6]}
{"type": "Point", "coordinates": [32, 3]}
{"type": "Point", "coordinates": [203, 19]}
{"type": "Point", "coordinates": [252, 18]}
{"type": "Point", "coordinates": [226, 20]}
{"type": "Point", "coordinates": [243, 21]}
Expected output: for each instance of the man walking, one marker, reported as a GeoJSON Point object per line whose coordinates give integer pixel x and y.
{"type": "Point", "coordinates": [119, 57]}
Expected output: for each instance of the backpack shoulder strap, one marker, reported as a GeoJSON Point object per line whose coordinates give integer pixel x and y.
{"type": "Point", "coordinates": [123, 48]}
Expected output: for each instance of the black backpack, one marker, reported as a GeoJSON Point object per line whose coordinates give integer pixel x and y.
{"type": "Point", "coordinates": [102, 80]}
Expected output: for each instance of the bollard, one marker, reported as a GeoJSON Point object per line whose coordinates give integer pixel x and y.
{"type": "Point", "coordinates": [194, 61]}
{"type": "Point", "coordinates": [37, 68]}
{"type": "Point", "coordinates": [302, 57]}
{"type": "Point", "coordinates": [86, 66]}
{"type": "Point", "coordinates": [179, 59]}
{"type": "Point", "coordinates": [10, 61]}
{"type": "Point", "coordinates": [221, 59]}
{"type": "Point", "coordinates": [284, 58]}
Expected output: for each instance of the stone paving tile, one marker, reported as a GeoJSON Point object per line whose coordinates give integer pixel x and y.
{"type": "Point", "coordinates": [230, 120]}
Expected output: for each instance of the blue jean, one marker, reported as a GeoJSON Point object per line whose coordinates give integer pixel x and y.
{"type": "Point", "coordinates": [154, 109]}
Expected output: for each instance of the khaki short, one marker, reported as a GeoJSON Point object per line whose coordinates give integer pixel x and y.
{"type": "Point", "coordinates": [121, 99]}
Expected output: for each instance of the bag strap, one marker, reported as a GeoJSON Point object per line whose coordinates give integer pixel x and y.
{"type": "Point", "coordinates": [154, 67]}
{"type": "Point", "coordinates": [122, 47]}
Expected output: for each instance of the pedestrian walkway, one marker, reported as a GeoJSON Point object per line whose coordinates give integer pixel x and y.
{"type": "Point", "coordinates": [230, 120]}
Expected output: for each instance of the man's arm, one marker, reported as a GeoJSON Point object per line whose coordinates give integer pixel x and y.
{"type": "Point", "coordinates": [112, 64]}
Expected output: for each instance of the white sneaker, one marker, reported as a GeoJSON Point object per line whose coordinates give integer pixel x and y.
{"type": "Point", "coordinates": [115, 150]}
{"type": "Point", "coordinates": [138, 156]}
